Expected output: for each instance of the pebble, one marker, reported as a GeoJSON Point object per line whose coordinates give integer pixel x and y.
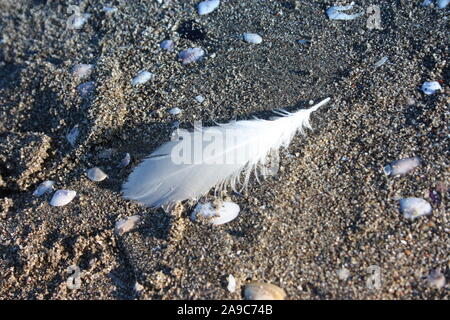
{"type": "Point", "coordinates": [227, 212]}
{"type": "Point", "coordinates": [127, 224]}
{"type": "Point", "coordinates": [44, 187]}
{"type": "Point", "coordinates": [62, 197]}
{"type": "Point", "coordinates": [231, 283]}
{"type": "Point", "coordinates": [142, 77]}
{"type": "Point", "coordinates": [175, 111]}
{"type": "Point", "coordinates": [191, 55]}
{"type": "Point", "coordinates": [252, 38]}
{"type": "Point", "coordinates": [263, 291]}
{"type": "Point", "coordinates": [430, 87]}
{"type": "Point", "coordinates": [96, 174]}
{"type": "Point", "coordinates": [414, 207]}
{"type": "Point", "coordinates": [82, 71]}
{"type": "Point", "coordinates": [208, 6]}
{"type": "Point", "coordinates": [403, 166]}
{"type": "Point", "coordinates": [168, 45]}
{"type": "Point", "coordinates": [200, 98]}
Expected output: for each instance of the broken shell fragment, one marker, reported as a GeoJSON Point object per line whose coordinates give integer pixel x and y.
{"type": "Point", "coordinates": [73, 135]}
{"type": "Point", "coordinates": [431, 87]}
{"type": "Point", "coordinates": [127, 224]}
{"type": "Point", "coordinates": [414, 207]}
{"type": "Point", "coordinates": [263, 291]}
{"type": "Point", "coordinates": [168, 45]}
{"type": "Point", "coordinates": [96, 174]}
{"type": "Point", "coordinates": [191, 55]}
{"type": "Point", "coordinates": [62, 197]}
{"type": "Point", "coordinates": [44, 187]}
{"type": "Point", "coordinates": [142, 77]}
{"type": "Point", "coordinates": [436, 279]}
{"type": "Point", "coordinates": [231, 283]}
{"type": "Point", "coordinates": [225, 212]}
{"type": "Point", "coordinates": [82, 71]}
{"type": "Point", "coordinates": [334, 13]}
{"type": "Point", "coordinates": [402, 166]}
{"type": "Point", "coordinates": [125, 161]}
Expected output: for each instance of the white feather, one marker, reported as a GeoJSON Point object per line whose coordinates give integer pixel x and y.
{"type": "Point", "coordinates": [159, 180]}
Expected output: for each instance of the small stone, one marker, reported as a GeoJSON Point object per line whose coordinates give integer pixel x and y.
{"type": "Point", "coordinates": [168, 45]}
{"type": "Point", "coordinates": [191, 55]}
{"type": "Point", "coordinates": [436, 279]}
{"type": "Point", "coordinates": [414, 207]}
{"type": "Point", "coordinates": [431, 87]}
{"type": "Point", "coordinates": [343, 274]}
{"type": "Point", "coordinates": [82, 71]}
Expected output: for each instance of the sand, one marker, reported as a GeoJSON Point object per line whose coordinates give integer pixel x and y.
{"type": "Point", "coordinates": [330, 207]}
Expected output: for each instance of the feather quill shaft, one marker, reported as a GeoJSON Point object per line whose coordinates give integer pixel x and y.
{"type": "Point", "coordinates": [190, 166]}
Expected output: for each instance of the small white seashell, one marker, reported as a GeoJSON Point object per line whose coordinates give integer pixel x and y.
{"type": "Point", "coordinates": [82, 71]}
{"type": "Point", "coordinates": [443, 3]}
{"type": "Point", "coordinates": [200, 98]}
{"type": "Point", "coordinates": [231, 284]}
{"type": "Point", "coordinates": [402, 166]}
{"type": "Point", "coordinates": [44, 187]}
{"type": "Point", "coordinates": [127, 224]}
{"type": "Point", "coordinates": [414, 207]}
{"type": "Point", "coordinates": [252, 38]}
{"type": "Point", "coordinates": [73, 135]}
{"type": "Point", "coordinates": [62, 197]}
{"type": "Point", "coordinates": [334, 13]}
{"type": "Point", "coordinates": [96, 174]}
{"type": "Point", "coordinates": [191, 55]}
{"type": "Point", "coordinates": [142, 77]}
{"type": "Point", "coordinates": [226, 212]}
{"type": "Point", "coordinates": [208, 6]}
{"type": "Point", "coordinates": [430, 87]}
{"type": "Point", "coordinates": [380, 62]}
{"type": "Point", "coordinates": [125, 161]}
{"type": "Point", "coordinates": [168, 45]}
{"type": "Point", "coordinates": [263, 291]}
{"type": "Point", "coordinates": [436, 279]}
{"type": "Point", "coordinates": [138, 287]}
{"type": "Point", "coordinates": [175, 111]}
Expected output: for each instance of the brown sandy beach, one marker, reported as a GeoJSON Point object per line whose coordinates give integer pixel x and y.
{"type": "Point", "coordinates": [330, 207]}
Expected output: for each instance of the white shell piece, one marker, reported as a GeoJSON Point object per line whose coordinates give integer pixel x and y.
{"type": "Point", "coordinates": [403, 166]}
{"type": "Point", "coordinates": [414, 207]}
{"type": "Point", "coordinates": [252, 38]}
{"type": "Point", "coordinates": [208, 6]}
{"type": "Point", "coordinates": [227, 212]}
{"type": "Point", "coordinates": [127, 224]}
{"type": "Point", "coordinates": [96, 174]}
{"type": "Point", "coordinates": [142, 77]}
{"type": "Point", "coordinates": [62, 197]}
{"type": "Point", "coordinates": [44, 187]}
{"type": "Point", "coordinates": [430, 87]}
